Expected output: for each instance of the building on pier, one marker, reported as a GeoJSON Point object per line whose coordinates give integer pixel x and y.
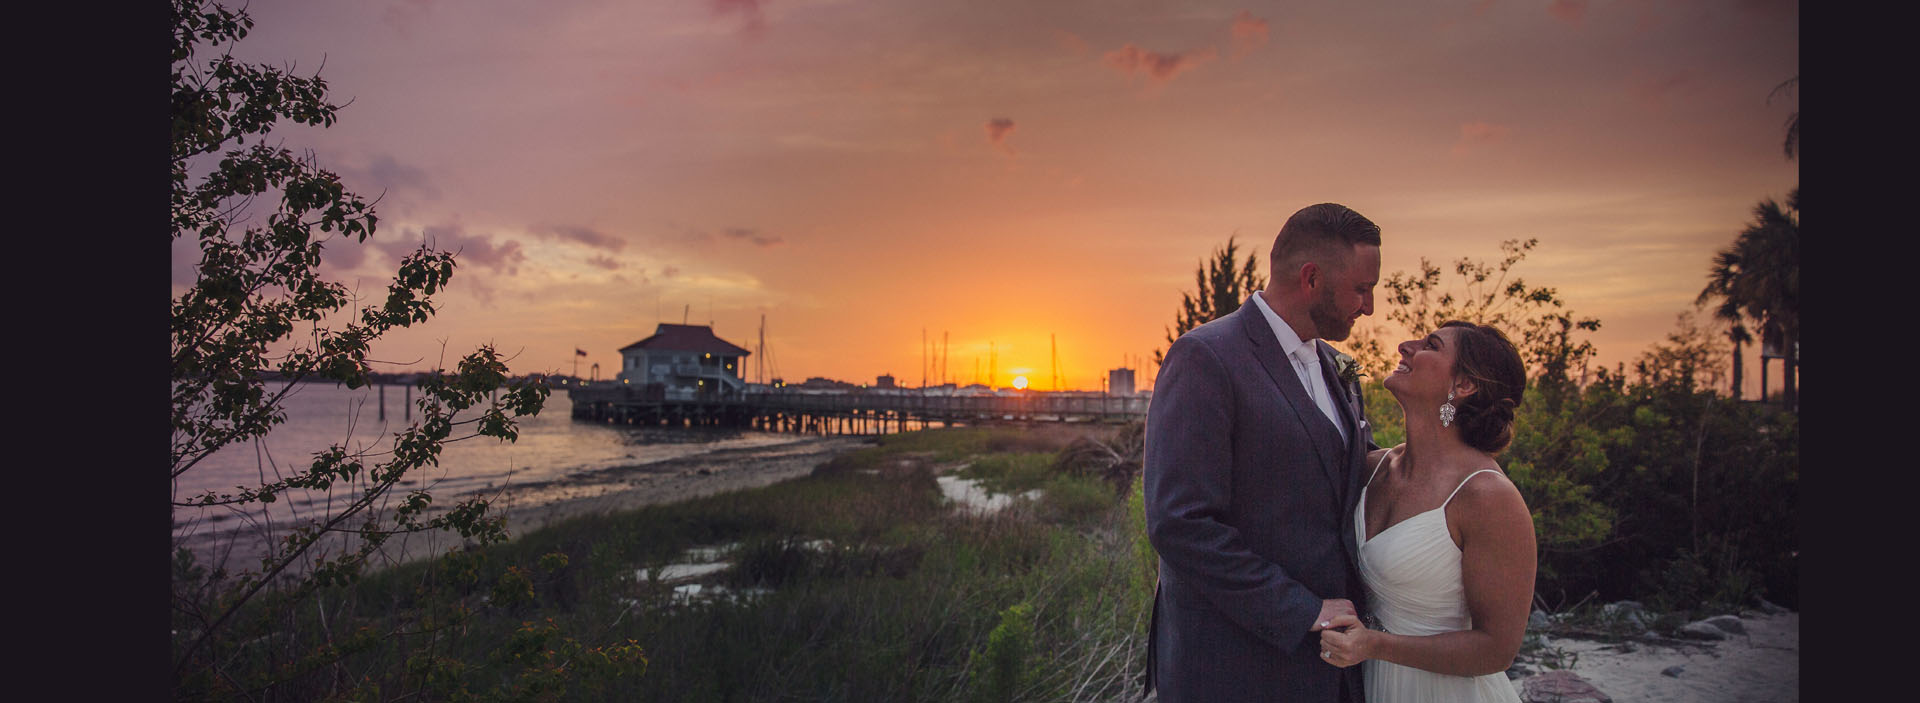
{"type": "Point", "coordinates": [687, 361]}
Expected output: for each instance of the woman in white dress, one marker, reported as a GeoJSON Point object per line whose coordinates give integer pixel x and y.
{"type": "Point", "coordinates": [1446, 542]}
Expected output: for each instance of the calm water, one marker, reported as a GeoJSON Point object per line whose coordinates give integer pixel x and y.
{"type": "Point", "coordinates": [551, 445]}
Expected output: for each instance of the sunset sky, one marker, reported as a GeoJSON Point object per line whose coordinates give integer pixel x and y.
{"type": "Point", "coordinates": [1005, 170]}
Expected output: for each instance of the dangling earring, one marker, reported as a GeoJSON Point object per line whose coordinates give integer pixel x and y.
{"type": "Point", "coordinates": [1446, 410]}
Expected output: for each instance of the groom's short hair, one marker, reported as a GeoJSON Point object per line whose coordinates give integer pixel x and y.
{"type": "Point", "coordinates": [1324, 234]}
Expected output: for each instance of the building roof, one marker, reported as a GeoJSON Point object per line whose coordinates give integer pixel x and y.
{"type": "Point", "coordinates": [694, 338]}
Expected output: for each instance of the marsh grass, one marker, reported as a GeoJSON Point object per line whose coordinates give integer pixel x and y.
{"type": "Point", "coordinates": [857, 582]}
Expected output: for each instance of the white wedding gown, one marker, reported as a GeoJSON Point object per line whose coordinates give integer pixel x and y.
{"type": "Point", "coordinates": [1412, 573]}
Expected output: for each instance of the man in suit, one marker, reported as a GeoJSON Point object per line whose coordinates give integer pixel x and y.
{"type": "Point", "coordinates": [1254, 453]}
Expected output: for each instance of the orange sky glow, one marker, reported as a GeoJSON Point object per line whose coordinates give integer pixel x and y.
{"type": "Point", "coordinates": [1006, 172]}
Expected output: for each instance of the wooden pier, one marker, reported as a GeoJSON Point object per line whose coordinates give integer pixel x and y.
{"type": "Point", "coordinates": [849, 412]}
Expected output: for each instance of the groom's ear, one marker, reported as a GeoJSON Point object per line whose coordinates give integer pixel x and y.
{"type": "Point", "coordinates": [1309, 275]}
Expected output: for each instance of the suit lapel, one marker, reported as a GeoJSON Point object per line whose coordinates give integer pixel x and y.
{"type": "Point", "coordinates": [1320, 431]}
{"type": "Point", "coordinates": [1356, 452]}
{"type": "Point", "coordinates": [1341, 402]}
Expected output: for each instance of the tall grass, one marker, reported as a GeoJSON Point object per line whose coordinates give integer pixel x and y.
{"type": "Point", "coordinates": [869, 587]}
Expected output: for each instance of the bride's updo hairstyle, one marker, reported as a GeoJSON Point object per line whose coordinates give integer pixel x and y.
{"type": "Point", "coordinates": [1489, 359]}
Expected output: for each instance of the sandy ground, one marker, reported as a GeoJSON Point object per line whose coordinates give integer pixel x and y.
{"type": "Point", "coordinates": [529, 507]}
{"type": "Point", "coordinates": [1761, 666]}
{"type": "Point", "coordinates": [671, 481]}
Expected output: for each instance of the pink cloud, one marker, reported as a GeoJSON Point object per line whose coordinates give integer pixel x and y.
{"type": "Point", "coordinates": [1131, 59]}
{"type": "Point", "coordinates": [997, 130]}
{"type": "Point", "coordinates": [1476, 134]}
{"type": "Point", "coordinates": [604, 261]}
{"type": "Point", "coordinates": [1072, 42]}
{"type": "Point", "coordinates": [753, 21]}
{"type": "Point", "coordinates": [1569, 11]}
{"type": "Point", "coordinates": [1249, 32]}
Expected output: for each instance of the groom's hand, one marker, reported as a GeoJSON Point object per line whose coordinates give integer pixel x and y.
{"type": "Point", "coordinates": [1345, 642]}
{"type": "Point", "coordinates": [1330, 609]}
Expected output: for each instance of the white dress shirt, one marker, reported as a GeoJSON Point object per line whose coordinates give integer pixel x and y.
{"type": "Point", "coordinates": [1306, 363]}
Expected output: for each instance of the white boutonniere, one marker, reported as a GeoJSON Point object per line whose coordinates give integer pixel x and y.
{"type": "Point", "coordinates": [1347, 369]}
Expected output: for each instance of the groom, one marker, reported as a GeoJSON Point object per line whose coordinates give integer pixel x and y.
{"type": "Point", "coordinates": [1254, 454]}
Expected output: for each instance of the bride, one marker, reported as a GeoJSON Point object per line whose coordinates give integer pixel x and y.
{"type": "Point", "coordinates": [1446, 542]}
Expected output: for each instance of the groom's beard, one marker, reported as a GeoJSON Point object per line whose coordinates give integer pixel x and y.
{"type": "Point", "coordinates": [1327, 320]}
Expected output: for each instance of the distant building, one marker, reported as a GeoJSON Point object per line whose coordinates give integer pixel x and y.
{"type": "Point", "coordinates": [822, 383]}
{"type": "Point", "coordinates": [688, 360]}
{"type": "Point", "coordinates": [1120, 382]}
{"type": "Point", "coordinates": [884, 381]}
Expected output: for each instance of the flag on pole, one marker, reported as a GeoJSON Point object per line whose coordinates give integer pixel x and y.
{"type": "Point", "coordinates": [578, 352]}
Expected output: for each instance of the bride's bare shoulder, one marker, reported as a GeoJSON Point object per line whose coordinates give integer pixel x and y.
{"type": "Point", "coordinates": [1489, 493]}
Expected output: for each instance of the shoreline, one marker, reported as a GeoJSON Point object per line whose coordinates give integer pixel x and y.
{"type": "Point", "coordinates": [532, 506]}
{"type": "Point", "coordinates": [675, 480]}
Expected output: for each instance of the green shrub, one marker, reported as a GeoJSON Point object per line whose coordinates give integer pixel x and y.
{"type": "Point", "coordinates": [1010, 474]}
{"type": "Point", "coordinates": [1144, 575]}
{"type": "Point", "coordinates": [1003, 669]}
{"type": "Point", "coordinates": [1068, 499]}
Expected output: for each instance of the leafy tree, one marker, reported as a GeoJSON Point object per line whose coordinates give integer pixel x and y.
{"type": "Point", "coordinates": [1757, 278]}
{"type": "Point", "coordinates": [1534, 317]}
{"type": "Point", "coordinates": [257, 289]}
{"type": "Point", "coordinates": [1689, 359]}
{"type": "Point", "coordinates": [1221, 285]}
{"type": "Point", "coordinates": [1559, 450]}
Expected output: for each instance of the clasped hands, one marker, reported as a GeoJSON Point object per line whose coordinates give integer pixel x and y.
{"type": "Point", "coordinates": [1344, 640]}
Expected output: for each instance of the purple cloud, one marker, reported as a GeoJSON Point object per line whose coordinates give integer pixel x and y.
{"type": "Point", "coordinates": [997, 130]}
{"type": "Point", "coordinates": [758, 239]}
{"type": "Point", "coordinates": [1131, 59]}
{"type": "Point", "coordinates": [584, 235]}
{"type": "Point", "coordinates": [471, 250]}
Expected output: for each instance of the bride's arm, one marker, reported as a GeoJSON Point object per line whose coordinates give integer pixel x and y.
{"type": "Point", "coordinates": [1497, 564]}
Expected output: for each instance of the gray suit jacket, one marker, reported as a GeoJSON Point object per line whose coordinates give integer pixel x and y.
{"type": "Point", "coordinates": [1249, 495]}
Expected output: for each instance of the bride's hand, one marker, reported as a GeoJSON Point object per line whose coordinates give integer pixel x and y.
{"type": "Point", "coordinates": [1345, 642]}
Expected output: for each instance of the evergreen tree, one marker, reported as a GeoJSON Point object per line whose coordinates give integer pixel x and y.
{"type": "Point", "coordinates": [1221, 285]}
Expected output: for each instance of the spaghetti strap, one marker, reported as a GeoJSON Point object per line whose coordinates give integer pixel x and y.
{"type": "Point", "coordinates": [1376, 468]}
{"type": "Point", "coordinates": [1463, 484]}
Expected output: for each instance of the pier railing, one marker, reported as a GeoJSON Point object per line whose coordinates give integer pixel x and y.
{"type": "Point", "coordinates": [851, 411]}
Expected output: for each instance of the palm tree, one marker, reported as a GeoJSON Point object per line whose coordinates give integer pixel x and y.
{"type": "Point", "coordinates": [1758, 278]}
{"type": "Point", "coordinates": [1793, 120]}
